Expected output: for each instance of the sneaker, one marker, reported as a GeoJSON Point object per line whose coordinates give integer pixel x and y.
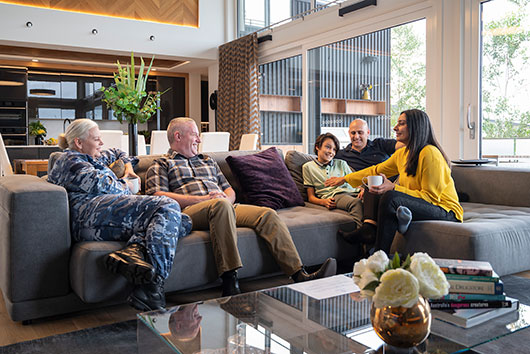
{"type": "Point", "coordinates": [327, 269]}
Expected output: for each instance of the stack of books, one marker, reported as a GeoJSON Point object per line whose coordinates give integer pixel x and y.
{"type": "Point", "coordinates": [476, 294]}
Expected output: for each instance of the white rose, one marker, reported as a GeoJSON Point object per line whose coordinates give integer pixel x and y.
{"type": "Point", "coordinates": [377, 262]}
{"type": "Point", "coordinates": [366, 278]}
{"type": "Point", "coordinates": [433, 283]}
{"type": "Point", "coordinates": [398, 288]}
{"type": "Point", "coordinates": [358, 269]}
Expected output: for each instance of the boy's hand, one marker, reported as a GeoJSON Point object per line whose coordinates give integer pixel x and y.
{"type": "Point", "coordinates": [329, 203]}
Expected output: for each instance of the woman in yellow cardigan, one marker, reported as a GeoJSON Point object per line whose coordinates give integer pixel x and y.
{"type": "Point", "coordinates": [426, 190]}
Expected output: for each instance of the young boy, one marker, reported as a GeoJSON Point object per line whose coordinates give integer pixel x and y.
{"type": "Point", "coordinates": [317, 171]}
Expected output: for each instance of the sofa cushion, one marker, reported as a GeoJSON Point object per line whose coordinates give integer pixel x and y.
{"type": "Point", "coordinates": [294, 161]}
{"type": "Point", "coordinates": [265, 179]}
{"type": "Point", "coordinates": [313, 229]}
{"type": "Point", "coordinates": [498, 234]}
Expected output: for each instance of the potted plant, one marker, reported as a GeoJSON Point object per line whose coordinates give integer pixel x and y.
{"type": "Point", "coordinates": [37, 130]}
{"type": "Point", "coordinates": [129, 100]}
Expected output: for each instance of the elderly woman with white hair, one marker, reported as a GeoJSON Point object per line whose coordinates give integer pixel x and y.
{"type": "Point", "coordinates": [103, 208]}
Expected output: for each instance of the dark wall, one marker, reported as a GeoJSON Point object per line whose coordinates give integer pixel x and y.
{"type": "Point", "coordinates": [173, 102]}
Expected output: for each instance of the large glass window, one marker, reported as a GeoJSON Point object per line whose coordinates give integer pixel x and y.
{"type": "Point", "coordinates": [505, 81]}
{"type": "Point", "coordinates": [280, 103]}
{"type": "Point", "coordinates": [257, 14]}
{"type": "Point", "coordinates": [374, 77]}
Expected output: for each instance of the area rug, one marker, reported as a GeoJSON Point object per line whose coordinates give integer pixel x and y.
{"type": "Point", "coordinates": [109, 339]}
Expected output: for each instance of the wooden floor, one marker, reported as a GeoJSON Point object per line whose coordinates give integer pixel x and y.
{"type": "Point", "coordinates": [15, 332]}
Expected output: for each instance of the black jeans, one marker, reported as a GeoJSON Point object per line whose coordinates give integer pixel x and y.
{"type": "Point", "coordinates": [387, 221]}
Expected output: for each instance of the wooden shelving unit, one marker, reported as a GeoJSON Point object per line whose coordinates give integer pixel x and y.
{"type": "Point", "coordinates": [275, 103]}
{"type": "Point", "coordinates": [357, 107]}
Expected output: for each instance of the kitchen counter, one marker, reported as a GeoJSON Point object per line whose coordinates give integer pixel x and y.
{"type": "Point", "coordinates": [30, 152]}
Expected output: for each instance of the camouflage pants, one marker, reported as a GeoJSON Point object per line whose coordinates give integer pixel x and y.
{"type": "Point", "coordinates": [152, 221]}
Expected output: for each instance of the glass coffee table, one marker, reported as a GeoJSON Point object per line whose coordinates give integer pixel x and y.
{"type": "Point", "coordinates": [284, 320]}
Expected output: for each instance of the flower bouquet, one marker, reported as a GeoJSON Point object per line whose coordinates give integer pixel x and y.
{"type": "Point", "coordinates": [400, 314]}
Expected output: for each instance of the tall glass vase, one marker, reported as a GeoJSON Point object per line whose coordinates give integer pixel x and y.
{"type": "Point", "coordinates": [133, 139]}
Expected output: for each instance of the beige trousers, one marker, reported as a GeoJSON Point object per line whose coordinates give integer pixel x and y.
{"type": "Point", "coordinates": [221, 217]}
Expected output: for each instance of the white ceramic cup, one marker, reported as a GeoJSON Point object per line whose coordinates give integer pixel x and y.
{"type": "Point", "coordinates": [134, 184]}
{"type": "Point", "coordinates": [372, 181]}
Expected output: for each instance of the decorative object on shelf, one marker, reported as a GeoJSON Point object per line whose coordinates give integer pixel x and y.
{"type": "Point", "coordinates": [400, 314]}
{"type": "Point", "coordinates": [37, 130]}
{"type": "Point", "coordinates": [50, 141]}
{"type": "Point", "coordinates": [365, 89]}
{"type": "Point", "coordinates": [129, 100]}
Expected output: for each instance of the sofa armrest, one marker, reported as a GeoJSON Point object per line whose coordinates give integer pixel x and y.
{"type": "Point", "coordinates": [34, 238]}
{"type": "Point", "coordinates": [493, 185]}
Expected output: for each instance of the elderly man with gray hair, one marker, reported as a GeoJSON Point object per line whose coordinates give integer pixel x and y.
{"type": "Point", "coordinates": [196, 182]}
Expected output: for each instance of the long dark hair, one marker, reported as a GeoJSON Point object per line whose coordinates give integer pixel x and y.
{"type": "Point", "coordinates": [421, 134]}
{"type": "Point", "coordinates": [322, 137]}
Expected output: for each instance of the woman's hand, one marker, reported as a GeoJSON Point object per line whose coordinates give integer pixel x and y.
{"type": "Point", "coordinates": [129, 171]}
{"type": "Point", "coordinates": [334, 181]}
{"type": "Point", "coordinates": [383, 187]}
{"type": "Point", "coordinates": [329, 203]}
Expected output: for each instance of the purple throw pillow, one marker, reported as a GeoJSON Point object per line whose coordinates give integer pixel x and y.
{"type": "Point", "coordinates": [265, 179]}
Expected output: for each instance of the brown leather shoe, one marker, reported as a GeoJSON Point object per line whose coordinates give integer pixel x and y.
{"type": "Point", "coordinates": [130, 263]}
{"type": "Point", "coordinates": [327, 269]}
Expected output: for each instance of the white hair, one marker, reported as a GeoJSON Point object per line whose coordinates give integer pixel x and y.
{"type": "Point", "coordinates": [78, 129]}
{"type": "Point", "coordinates": [175, 125]}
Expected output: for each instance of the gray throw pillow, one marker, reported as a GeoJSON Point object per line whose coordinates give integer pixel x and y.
{"type": "Point", "coordinates": [294, 161]}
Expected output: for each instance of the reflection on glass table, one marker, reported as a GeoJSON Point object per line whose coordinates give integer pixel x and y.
{"type": "Point", "coordinates": [283, 320]}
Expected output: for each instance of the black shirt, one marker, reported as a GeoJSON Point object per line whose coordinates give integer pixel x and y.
{"type": "Point", "coordinates": [375, 151]}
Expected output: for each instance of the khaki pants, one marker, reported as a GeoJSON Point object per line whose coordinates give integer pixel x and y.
{"type": "Point", "coordinates": [221, 218]}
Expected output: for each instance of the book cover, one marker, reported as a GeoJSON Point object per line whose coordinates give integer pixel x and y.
{"type": "Point", "coordinates": [469, 304]}
{"type": "Point", "coordinates": [494, 278]}
{"type": "Point", "coordinates": [461, 296]}
{"type": "Point", "coordinates": [476, 287]}
{"type": "Point", "coordinates": [458, 266]}
{"type": "Point", "coordinates": [471, 317]}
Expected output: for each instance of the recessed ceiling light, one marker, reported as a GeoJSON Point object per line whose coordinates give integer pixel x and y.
{"type": "Point", "coordinates": [35, 60]}
{"type": "Point", "coordinates": [153, 69]}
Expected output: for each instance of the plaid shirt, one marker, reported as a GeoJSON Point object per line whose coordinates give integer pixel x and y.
{"type": "Point", "coordinates": [198, 175]}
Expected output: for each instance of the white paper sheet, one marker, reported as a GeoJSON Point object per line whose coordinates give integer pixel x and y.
{"type": "Point", "coordinates": [327, 287]}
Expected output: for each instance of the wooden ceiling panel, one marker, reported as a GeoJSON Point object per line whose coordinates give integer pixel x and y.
{"type": "Point", "coordinates": [95, 58]}
{"type": "Point", "coordinates": [177, 12]}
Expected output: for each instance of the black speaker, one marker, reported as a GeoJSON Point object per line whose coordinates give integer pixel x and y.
{"type": "Point", "coordinates": [213, 100]}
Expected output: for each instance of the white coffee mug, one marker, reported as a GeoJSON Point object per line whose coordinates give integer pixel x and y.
{"type": "Point", "coordinates": [372, 181]}
{"type": "Point", "coordinates": [134, 184]}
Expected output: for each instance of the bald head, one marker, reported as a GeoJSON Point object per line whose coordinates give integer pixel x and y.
{"type": "Point", "coordinates": [359, 134]}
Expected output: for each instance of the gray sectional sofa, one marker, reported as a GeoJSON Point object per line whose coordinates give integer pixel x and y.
{"type": "Point", "coordinates": [42, 273]}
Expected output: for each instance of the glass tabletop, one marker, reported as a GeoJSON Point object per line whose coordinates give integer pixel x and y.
{"type": "Point", "coordinates": [283, 320]}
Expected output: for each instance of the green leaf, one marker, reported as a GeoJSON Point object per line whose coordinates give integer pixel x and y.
{"type": "Point", "coordinates": [406, 264]}
{"type": "Point", "coordinates": [139, 82]}
{"type": "Point", "coordinates": [372, 285]}
{"type": "Point", "coordinates": [396, 261]}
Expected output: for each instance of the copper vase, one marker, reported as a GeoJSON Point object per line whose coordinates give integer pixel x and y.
{"type": "Point", "coordinates": [401, 326]}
